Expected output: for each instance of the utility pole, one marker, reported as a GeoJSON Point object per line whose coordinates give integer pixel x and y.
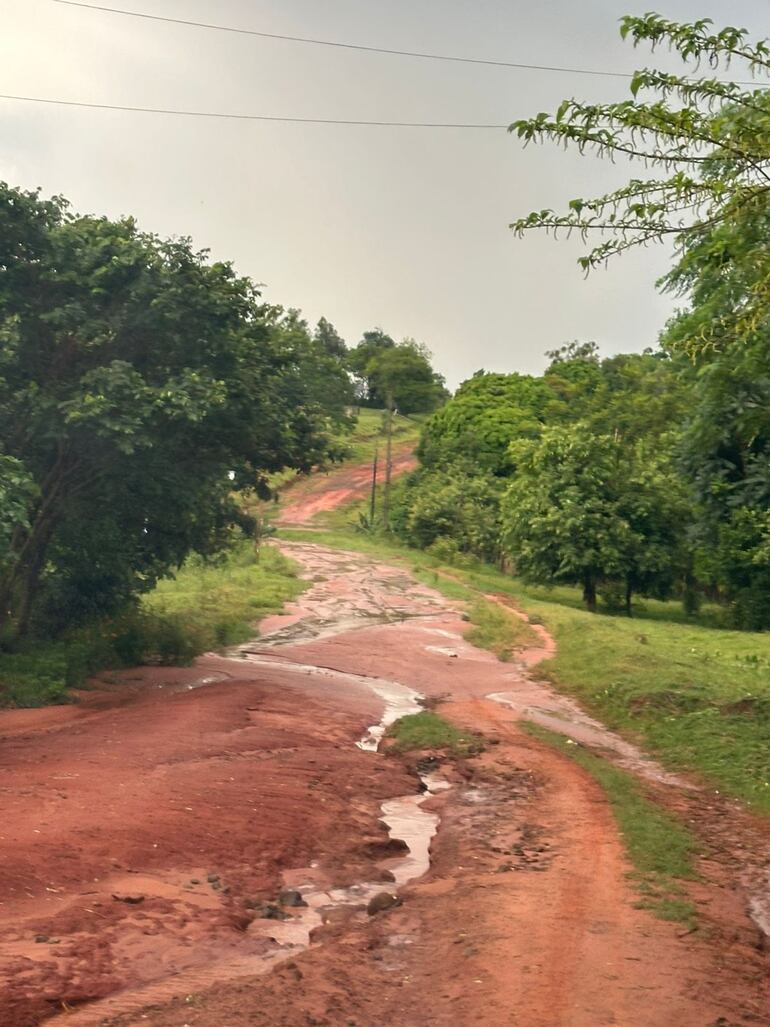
{"type": "Point", "coordinates": [374, 487]}
{"type": "Point", "coordinates": [388, 461]}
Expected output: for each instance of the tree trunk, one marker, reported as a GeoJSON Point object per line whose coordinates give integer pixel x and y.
{"type": "Point", "coordinates": [29, 583]}
{"type": "Point", "coordinates": [18, 587]}
{"type": "Point", "coordinates": [629, 612]}
{"type": "Point", "coordinates": [589, 594]}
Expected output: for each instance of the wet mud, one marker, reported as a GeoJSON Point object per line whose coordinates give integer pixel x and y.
{"type": "Point", "coordinates": [148, 829]}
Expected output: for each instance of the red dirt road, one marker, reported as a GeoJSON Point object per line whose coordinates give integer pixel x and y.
{"type": "Point", "coordinates": [525, 918]}
{"type": "Point", "coordinates": [317, 494]}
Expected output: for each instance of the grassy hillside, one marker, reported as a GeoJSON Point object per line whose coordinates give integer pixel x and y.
{"type": "Point", "coordinates": [368, 433]}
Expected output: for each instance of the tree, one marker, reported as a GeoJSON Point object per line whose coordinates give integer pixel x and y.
{"type": "Point", "coordinates": [403, 376]}
{"type": "Point", "coordinates": [329, 340]}
{"type": "Point", "coordinates": [454, 504]}
{"type": "Point", "coordinates": [632, 395]}
{"type": "Point", "coordinates": [141, 386]}
{"type": "Point", "coordinates": [708, 138]}
{"type": "Point", "coordinates": [481, 420]}
{"type": "Point", "coordinates": [372, 344]}
{"type": "Point", "coordinates": [585, 509]}
{"type": "Point", "coordinates": [710, 141]}
{"type": "Point", "coordinates": [726, 445]}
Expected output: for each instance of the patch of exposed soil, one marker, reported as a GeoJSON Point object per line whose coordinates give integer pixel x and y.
{"type": "Point", "coordinates": [136, 827]}
{"type": "Point", "coordinates": [306, 497]}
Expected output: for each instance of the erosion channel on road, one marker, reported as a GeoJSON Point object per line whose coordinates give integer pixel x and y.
{"type": "Point", "coordinates": [159, 838]}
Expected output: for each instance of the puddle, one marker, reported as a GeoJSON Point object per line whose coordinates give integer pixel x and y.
{"type": "Point", "coordinates": [564, 718]}
{"type": "Point", "coordinates": [405, 820]}
{"type": "Point", "coordinates": [399, 700]}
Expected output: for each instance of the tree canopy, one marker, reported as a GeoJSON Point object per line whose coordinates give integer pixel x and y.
{"type": "Point", "coordinates": [141, 386]}
{"type": "Point", "coordinates": [593, 511]}
{"type": "Point", "coordinates": [707, 138]}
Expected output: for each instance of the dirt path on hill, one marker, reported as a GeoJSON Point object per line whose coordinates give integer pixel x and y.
{"type": "Point", "coordinates": [306, 497]}
{"type": "Point", "coordinates": [145, 830]}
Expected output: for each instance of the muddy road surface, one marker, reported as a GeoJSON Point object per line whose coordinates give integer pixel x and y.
{"type": "Point", "coordinates": [198, 846]}
{"type": "Point", "coordinates": [319, 493]}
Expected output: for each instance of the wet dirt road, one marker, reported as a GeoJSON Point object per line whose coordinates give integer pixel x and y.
{"type": "Point", "coordinates": [141, 828]}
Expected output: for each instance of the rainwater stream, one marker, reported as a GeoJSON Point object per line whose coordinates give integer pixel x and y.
{"type": "Point", "coordinates": [403, 816]}
{"type": "Point", "coordinates": [405, 820]}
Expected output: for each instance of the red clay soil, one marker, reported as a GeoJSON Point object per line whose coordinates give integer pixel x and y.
{"type": "Point", "coordinates": [139, 792]}
{"type": "Point", "coordinates": [525, 918]}
{"type": "Point", "coordinates": [316, 494]}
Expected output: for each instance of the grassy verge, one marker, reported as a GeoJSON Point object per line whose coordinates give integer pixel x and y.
{"type": "Point", "coordinates": [206, 606]}
{"type": "Point", "coordinates": [497, 630]}
{"type": "Point", "coordinates": [221, 602]}
{"type": "Point", "coordinates": [427, 730]}
{"type": "Point", "coordinates": [660, 849]}
{"type": "Point", "coordinates": [696, 695]}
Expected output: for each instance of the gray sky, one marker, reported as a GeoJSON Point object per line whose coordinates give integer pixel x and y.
{"type": "Point", "coordinates": [402, 228]}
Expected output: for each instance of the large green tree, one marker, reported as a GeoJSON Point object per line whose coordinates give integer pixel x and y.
{"type": "Point", "coordinates": [140, 387]}
{"type": "Point", "coordinates": [372, 345]}
{"type": "Point", "coordinates": [403, 377]}
{"type": "Point", "coordinates": [481, 420]}
{"type": "Point", "coordinates": [593, 511]}
{"type": "Point", "coordinates": [330, 340]}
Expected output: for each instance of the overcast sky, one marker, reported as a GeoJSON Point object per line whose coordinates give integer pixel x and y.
{"type": "Point", "coordinates": [403, 228]}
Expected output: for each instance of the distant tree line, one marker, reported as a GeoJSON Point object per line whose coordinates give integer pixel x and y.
{"type": "Point", "coordinates": [594, 474]}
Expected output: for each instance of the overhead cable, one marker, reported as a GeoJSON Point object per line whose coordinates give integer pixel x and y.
{"type": "Point", "coordinates": [249, 117]}
{"type": "Point", "coordinates": [344, 46]}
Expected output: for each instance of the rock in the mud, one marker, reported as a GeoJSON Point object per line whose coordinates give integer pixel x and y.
{"type": "Point", "coordinates": [386, 846]}
{"type": "Point", "coordinates": [271, 912]}
{"type": "Point", "coordinates": [212, 878]}
{"type": "Point", "coordinates": [41, 939]}
{"type": "Point", "coordinates": [132, 900]}
{"type": "Point", "coordinates": [382, 900]}
{"type": "Point", "coordinates": [384, 875]}
{"type": "Point", "coordinates": [292, 898]}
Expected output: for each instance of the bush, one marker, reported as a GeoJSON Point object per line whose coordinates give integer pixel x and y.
{"type": "Point", "coordinates": [206, 606]}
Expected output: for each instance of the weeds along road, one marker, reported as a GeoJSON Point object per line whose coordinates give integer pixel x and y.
{"type": "Point", "coordinates": [147, 830]}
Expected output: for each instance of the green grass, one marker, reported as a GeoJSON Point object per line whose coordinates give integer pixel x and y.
{"type": "Point", "coordinates": [367, 435]}
{"type": "Point", "coordinates": [497, 630]}
{"type": "Point", "coordinates": [221, 602]}
{"type": "Point", "coordinates": [427, 730]}
{"type": "Point", "coordinates": [660, 849]}
{"type": "Point", "coordinates": [206, 606]}
{"type": "Point", "coordinates": [696, 695]}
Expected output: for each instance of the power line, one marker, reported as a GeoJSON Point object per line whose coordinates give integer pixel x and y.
{"type": "Point", "coordinates": [249, 117]}
{"type": "Point", "coordinates": [344, 46]}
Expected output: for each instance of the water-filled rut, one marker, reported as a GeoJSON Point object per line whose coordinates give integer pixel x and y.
{"type": "Point", "coordinates": [406, 823]}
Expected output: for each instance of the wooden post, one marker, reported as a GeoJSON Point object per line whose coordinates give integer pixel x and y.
{"type": "Point", "coordinates": [374, 488]}
{"type": "Point", "coordinates": [388, 463]}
